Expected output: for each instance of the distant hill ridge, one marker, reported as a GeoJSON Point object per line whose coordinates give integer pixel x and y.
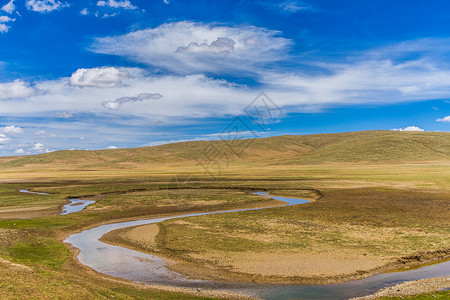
{"type": "Point", "coordinates": [363, 146]}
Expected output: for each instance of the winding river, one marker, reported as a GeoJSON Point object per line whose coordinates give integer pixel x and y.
{"type": "Point", "coordinates": [75, 205]}
{"type": "Point", "coordinates": [146, 268]}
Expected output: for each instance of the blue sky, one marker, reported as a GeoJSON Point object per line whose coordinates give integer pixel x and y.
{"type": "Point", "coordinates": [125, 73]}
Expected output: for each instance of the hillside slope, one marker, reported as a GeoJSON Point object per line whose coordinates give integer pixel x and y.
{"type": "Point", "coordinates": [365, 146]}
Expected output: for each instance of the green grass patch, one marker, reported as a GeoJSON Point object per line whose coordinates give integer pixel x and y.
{"type": "Point", "coordinates": [43, 223]}
{"type": "Point", "coordinates": [38, 251]}
{"type": "Point", "coordinates": [139, 294]}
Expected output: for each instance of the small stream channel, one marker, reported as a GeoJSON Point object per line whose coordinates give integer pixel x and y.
{"type": "Point", "coordinates": [75, 205]}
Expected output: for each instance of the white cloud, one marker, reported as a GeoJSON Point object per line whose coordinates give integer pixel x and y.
{"type": "Point", "coordinates": [188, 47]}
{"type": "Point", "coordinates": [9, 7]}
{"type": "Point", "coordinates": [4, 19]}
{"type": "Point", "coordinates": [3, 27]}
{"type": "Point", "coordinates": [84, 12]}
{"type": "Point", "coordinates": [292, 6]}
{"type": "Point", "coordinates": [38, 147]}
{"type": "Point", "coordinates": [40, 133]}
{"type": "Point", "coordinates": [99, 77]}
{"type": "Point", "coordinates": [409, 128]}
{"type": "Point", "coordinates": [369, 78]}
{"type": "Point", "coordinates": [446, 119]}
{"type": "Point", "coordinates": [112, 147]}
{"type": "Point", "coordinates": [19, 151]}
{"type": "Point", "coordinates": [15, 89]}
{"type": "Point", "coordinates": [108, 15]}
{"type": "Point", "coordinates": [221, 45]}
{"type": "Point", "coordinates": [11, 129]}
{"type": "Point", "coordinates": [125, 4]}
{"type": "Point", "coordinates": [64, 115]}
{"type": "Point", "coordinates": [45, 6]}
{"type": "Point", "coordinates": [166, 2]}
{"type": "Point", "coordinates": [141, 97]}
{"type": "Point", "coordinates": [378, 76]}
{"type": "Point", "coordinates": [4, 139]}
{"type": "Point", "coordinates": [285, 7]}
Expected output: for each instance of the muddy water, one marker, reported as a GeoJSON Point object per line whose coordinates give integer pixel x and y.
{"type": "Point", "coordinates": [75, 205]}
{"type": "Point", "coordinates": [145, 268]}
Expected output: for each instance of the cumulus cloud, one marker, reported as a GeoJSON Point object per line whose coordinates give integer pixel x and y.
{"type": "Point", "coordinates": [112, 147]}
{"type": "Point", "coordinates": [15, 89]}
{"type": "Point", "coordinates": [409, 128]}
{"type": "Point", "coordinates": [4, 139]}
{"type": "Point", "coordinates": [19, 151]}
{"type": "Point", "coordinates": [84, 12]}
{"type": "Point", "coordinates": [99, 77]}
{"type": "Point", "coordinates": [11, 129]}
{"type": "Point", "coordinates": [3, 27]}
{"type": "Point", "coordinates": [45, 6]}
{"type": "Point", "coordinates": [445, 120]}
{"type": "Point", "coordinates": [125, 4]}
{"type": "Point", "coordinates": [38, 147]}
{"type": "Point", "coordinates": [188, 47]}
{"type": "Point", "coordinates": [9, 7]}
{"type": "Point", "coordinates": [113, 105]}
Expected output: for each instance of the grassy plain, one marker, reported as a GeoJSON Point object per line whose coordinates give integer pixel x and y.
{"type": "Point", "coordinates": [383, 196]}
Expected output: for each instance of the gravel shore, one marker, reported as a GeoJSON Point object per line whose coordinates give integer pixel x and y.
{"type": "Point", "coordinates": [411, 288]}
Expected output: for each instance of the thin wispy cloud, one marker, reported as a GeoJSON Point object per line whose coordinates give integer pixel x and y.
{"type": "Point", "coordinates": [114, 105]}
{"type": "Point", "coordinates": [286, 7]}
{"type": "Point", "coordinates": [293, 6]}
{"type": "Point", "coordinates": [64, 115]}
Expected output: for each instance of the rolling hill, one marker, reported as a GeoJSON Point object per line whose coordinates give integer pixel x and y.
{"type": "Point", "coordinates": [364, 146]}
